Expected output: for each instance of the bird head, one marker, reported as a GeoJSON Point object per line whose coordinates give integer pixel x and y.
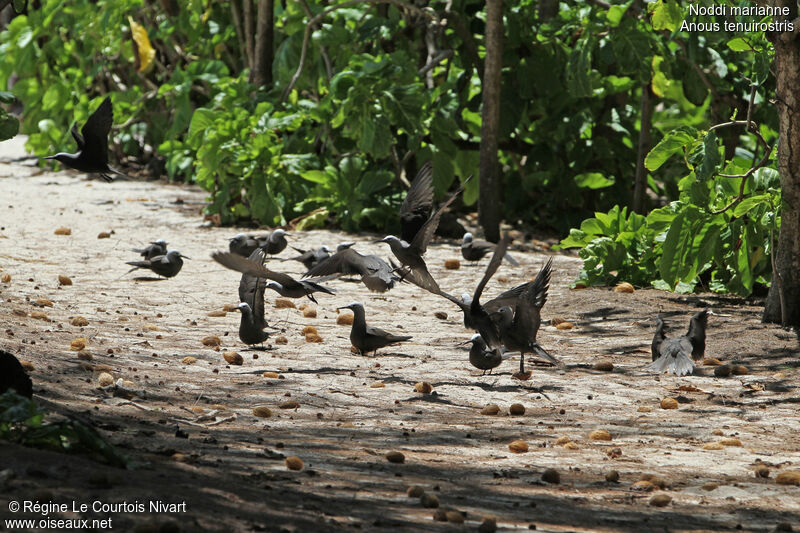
{"type": "Point", "coordinates": [174, 254]}
{"type": "Point", "coordinates": [273, 285]}
{"type": "Point", "coordinates": [506, 313]}
{"type": "Point", "coordinates": [353, 306]}
{"type": "Point", "coordinates": [325, 249]}
{"type": "Point", "coordinates": [243, 306]}
{"type": "Point", "coordinates": [466, 299]}
{"type": "Point", "coordinates": [277, 234]}
{"type": "Point", "coordinates": [238, 237]}
{"type": "Point", "coordinates": [160, 242]}
{"type": "Point", "coordinates": [388, 239]}
{"type": "Point", "coordinates": [475, 339]}
{"type": "Point", "coordinates": [344, 246]}
{"type": "Point", "coordinates": [467, 238]}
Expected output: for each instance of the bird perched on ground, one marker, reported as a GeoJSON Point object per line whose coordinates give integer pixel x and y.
{"type": "Point", "coordinates": [658, 338]}
{"type": "Point", "coordinates": [417, 205]}
{"type": "Point", "coordinates": [13, 376]}
{"type": "Point", "coordinates": [251, 296]}
{"type": "Point", "coordinates": [367, 338]}
{"type": "Point", "coordinates": [275, 242]}
{"type": "Point", "coordinates": [155, 248]}
{"type": "Point", "coordinates": [244, 243]}
{"type": "Point", "coordinates": [284, 284]}
{"type": "Point", "coordinates": [518, 327]}
{"type": "Point", "coordinates": [167, 265]}
{"type": "Point", "coordinates": [375, 273]}
{"type": "Point", "coordinates": [475, 250]}
{"type": "Point", "coordinates": [674, 354]}
{"type": "Point", "coordinates": [484, 358]}
{"type": "Point", "coordinates": [92, 154]}
{"type": "Point", "coordinates": [475, 315]}
{"type": "Point", "coordinates": [410, 254]}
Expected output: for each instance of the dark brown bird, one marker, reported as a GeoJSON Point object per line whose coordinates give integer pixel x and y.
{"type": "Point", "coordinates": [167, 265]}
{"type": "Point", "coordinates": [367, 338]}
{"type": "Point", "coordinates": [475, 249]}
{"type": "Point", "coordinates": [92, 154]}
{"type": "Point", "coordinates": [658, 338]}
{"type": "Point", "coordinates": [418, 203]}
{"type": "Point", "coordinates": [375, 273]}
{"type": "Point", "coordinates": [674, 354]}
{"type": "Point", "coordinates": [285, 284]}
{"type": "Point", "coordinates": [251, 296]}
{"type": "Point", "coordinates": [519, 326]}
{"type": "Point", "coordinates": [155, 248]}
{"type": "Point", "coordinates": [13, 376]}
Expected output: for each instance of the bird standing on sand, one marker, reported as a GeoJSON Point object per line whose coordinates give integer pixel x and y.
{"type": "Point", "coordinates": [484, 358]}
{"type": "Point", "coordinates": [285, 284]}
{"type": "Point", "coordinates": [674, 354]}
{"type": "Point", "coordinates": [518, 327]}
{"type": "Point", "coordinates": [251, 296]}
{"type": "Point", "coordinates": [92, 154]}
{"type": "Point", "coordinates": [155, 248]}
{"type": "Point", "coordinates": [367, 338]}
{"type": "Point", "coordinates": [475, 250]}
{"type": "Point", "coordinates": [244, 243]}
{"type": "Point", "coordinates": [275, 242]}
{"type": "Point", "coordinates": [167, 265]}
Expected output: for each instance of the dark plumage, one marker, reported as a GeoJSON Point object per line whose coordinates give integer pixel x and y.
{"type": "Point", "coordinates": [13, 376]}
{"type": "Point", "coordinates": [167, 265]}
{"type": "Point", "coordinates": [275, 242]}
{"type": "Point", "coordinates": [676, 354]}
{"type": "Point", "coordinates": [310, 258]}
{"type": "Point", "coordinates": [484, 358]}
{"type": "Point", "coordinates": [243, 244]}
{"type": "Point", "coordinates": [155, 248]}
{"type": "Point", "coordinates": [251, 296]}
{"type": "Point", "coordinates": [367, 338]}
{"type": "Point", "coordinates": [475, 315]}
{"type": "Point", "coordinates": [518, 327]}
{"type": "Point", "coordinates": [92, 154]}
{"type": "Point", "coordinates": [410, 255]}
{"type": "Point", "coordinates": [658, 338]}
{"type": "Point", "coordinates": [475, 250]}
{"type": "Point", "coordinates": [417, 204]}
{"type": "Point", "coordinates": [375, 273]}
{"type": "Point", "coordinates": [289, 286]}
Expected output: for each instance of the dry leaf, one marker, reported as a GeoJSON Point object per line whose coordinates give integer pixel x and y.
{"type": "Point", "coordinates": [144, 52]}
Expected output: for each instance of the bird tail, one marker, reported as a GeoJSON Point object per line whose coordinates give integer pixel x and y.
{"type": "Point", "coordinates": [122, 175]}
{"type": "Point", "coordinates": [511, 261]}
{"type": "Point", "coordinates": [541, 352]}
{"type": "Point", "coordinates": [136, 265]}
{"type": "Point", "coordinates": [680, 365]}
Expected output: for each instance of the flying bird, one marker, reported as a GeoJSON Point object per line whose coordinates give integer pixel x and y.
{"type": "Point", "coordinates": [367, 338]}
{"type": "Point", "coordinates": [375, 273]}
{"type": "Point", "coordinates": [167, 265]}
{"type": "Point", "coordinates": [92, 154]}
{"type": "Point", "coordinates": [518, 327]}
{"type": "Point", "coordinates": [418, 203]}
{"type": "Point", "coordinates": [284, 283]}
{"type": "Point", "coordinates": [251, 296]}
{"type": "Point", "coordinates": [676, 354]}
{"type": "Point", "coordinates": [310, 258]}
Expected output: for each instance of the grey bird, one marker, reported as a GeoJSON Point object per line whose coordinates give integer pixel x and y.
{"type": "Point", "coordinates": [375, 273]}
{"type": "Point", "coordinates": [167, 265]}
{"type": "Point", "coordinates": [289, 286]}
{"type": "Point", "coordinates": [13, 376]}
{"type": "Point", "coordinates": [155, 248]}
{"type": "Point", "coordinates": [418, 203]}
{"type": "Point", "coordinates": [244, 243]}
{"type": "Point", "coordinates": [484, 358]}
{"type": "Point", "coordinates": [675, 355]}
{"type": "Point", "coordinates": [251, 296]}
{"type": "Point", "coordinates": [310, 258]}
{"type": "Point", "coordinates": [92, 141]}
{"type": "Point", "coordinates": [475, 250]}
{"type": "Point", "coordinates": [275, 242]}
{"type": "Point", "coordinates": [658, 338]}
{"type": "Point", "coordinates": [410, 254]}
{"type": "Point", "coordinates": [475, 314]}
{"type": "Point", "coordinates": [367, 338]}
{"type": "Point", "coordinates": [519, 326]}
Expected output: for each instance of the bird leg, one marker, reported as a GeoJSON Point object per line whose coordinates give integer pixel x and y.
{"type": "Point", "coordinates": [522, 362]}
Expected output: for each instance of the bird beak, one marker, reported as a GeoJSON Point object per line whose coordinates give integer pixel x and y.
{"type": "Point", "coordinates": [345, 307]}
{"type": "Point", "coordinates": [49, 157]}
{"type": "Point", "coordinates": [378, 241]}
{"type": "Point", "coordinates": [463, 343]}
{"type": "Point", "coordinates": [185, 257]}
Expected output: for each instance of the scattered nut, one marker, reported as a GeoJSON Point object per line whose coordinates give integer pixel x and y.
{"type": "Point", "coordinates": [233, 358]}
{"type": "Point", "coordinates": [452, 264]}
{"type": "Point", "coordinates": [284, 303]}
{"type": "Point", "coordinates": [600, 434]}
{"type": "Point", "coordinates": [105, 379]}
{"type": "Point", "coordinates": [85, 355]}
{"type": "Point", "coordinates": [565, 325]}
{"type": "Point", "coordinates": [660, 500]}
{"type": "Point", "coordinates": [310, 312]}
{"type": "Point", "coordinates": [731, 442]}
{"type": "Point", "coordinates": [415, 491]}
{"type": "Point", "coordinates": [212, 340]}
{"type": "Point", "coordinates": [395, 457]}
{"type": "Point", "coordinates": [571, 446]}
{"type": "Point", "coordinates": [429, 501]}
{"type": "Point", "coordinates": [377, 385]}
{"type": "Point", "coordinates": [270, 375]}
{"type": "Point", "coordinates": [516, 409]}
{"type": "Point", "coordinates": [563, 439]}
{"type": "Point", "coordinates": [78, 344]}
{"type": "Point", "coordinates": [424, 387]}
{"type": "Point", "coordinates": [189, 360]}
{"type": "Point", "coordinates": [63, 231]}
{"type": "Point", "coordinates": [281, 340]}
{"type": "Point", "coordinates": [643, 486]}
{"type": "Point", "coordinates": [27, 365]}
{"type": "Point", "coordinates": [6, 278]}
{"type": "Point", "coordinates": [289, 404]}
{"type": "Point", "coordinates": [64, 280]}
{"type": "Point", "coordinates": [761, 471]}
{"type": "Point", "coordinates": [441, 315]}
{"type": "Point", "coordinates": [711, 361]}
{"type": "Point", "coordinates": [38, 315]}
{"type": "Point", "coordinates": [604, 366]}
{"type": "Point", "coordinates": [518, 446]}
{"type": "Point", "coordinates": [491, 409]}
{"type": "Point", "coordinates": [454, 517]}
{"type": "Point", "coordinates": [722, 371]}
{"type": "Point", "coordinates": [104, 235]}
{"type": "Point", "coordinates": [551, 475]}
{"type": "Point", "coordinates": [488, 525]}
{"type": "Point", "coordinates": [344, 319]}
{"type": "Point", "coordinates": [313, 337]}
{"type": "Point", "coordinates": [217, 313]}
{"type": "Point", "coordinates": [788, 477]}
{"type": "Point", "coordinates": [709, 486]}
{"type": "Point", "coordinates": [612, 476]}
{"type": "Point", "coordinates": [79, 321]}
{"type": "Point", "coordinates": [308, 329]}
{"type": "Point", "coordinates": [739, 370]}
{"type": "Point", "coordinates": [262, 411]}
{"type": "Point", "coordinates": [713, 446]}
{"type": "Point", "coordinates": [44, 302]}
{"type": "Point", "coordinates": [669, 403]}
{"type": "Point", "coordinates": [294, 463]}
{"type": "Point", "coordinates": [624, 287]}
{"type": "Point", "coordinates": [556, 320]}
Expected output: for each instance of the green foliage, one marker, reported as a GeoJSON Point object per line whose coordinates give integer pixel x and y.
{"type": "Point", "coordinates": [22, 422]}
{"type": "Point", "coordinates": [9, 126]}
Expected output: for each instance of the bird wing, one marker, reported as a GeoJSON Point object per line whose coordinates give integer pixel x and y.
{"type": "Point", "coordinates": [413, 277]}
{"type": "Point", "coordinates": [95, 132]}
{"type": "Point", "coordinates": [491, 268]}
{"type": "Point", "coordinates": [371, 330]}
{"type": "Point", "coordinates": [508, 298]}
{"type": "Point", "coordinates": [425, 233]}
{"type": "Point", "coordinates": [419, 198]}
{"type": "Point", "coordinates": [530, 302]}
{"type": "Point", "coordinates": [348, 261]}
{"type": "Point", "coordinates": [77, 136]}
{"type": "Point", "coordinates": [674, 357]}
{"type": "Point", "coordinates": [251, 288]}
{"type": "Point", "coordinates": [246, 266]}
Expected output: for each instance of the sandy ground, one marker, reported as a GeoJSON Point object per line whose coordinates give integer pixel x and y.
{"type": "Point", "coordinates": [351, 410]}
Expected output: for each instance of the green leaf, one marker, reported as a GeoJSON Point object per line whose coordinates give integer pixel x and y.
{"type": "Point", "coordinates": [374, 180]}
{"type": "Point", "coordinates": [711, 157]}
{"type": "Point", "coordinates": [749, 203]}
{"type": "Point", "coordinates": [615, 13]}
{"type": "Point", "coordinates": [593, 180]}
{"type": "Point", "coordinates": [578, 67]}
{"type": "Point", "coordinates": [693, 87]}
{"type": "Point", "coordinates": [202, 119]}
{"type": "Point", "coordinates": [671, 143]}
{"type": "Point", "coordinates": [316, 176]}
{"type": "Point", "coordinates": [676, 245]}
{"type": "Point", "coordinates": [9, 126]}
{"type": "Point", "coordinates": [6, 97]}
{"type": "Point", "coordinates": [666, 15]}
{"type": "Point", "coordinates": [739, 44]}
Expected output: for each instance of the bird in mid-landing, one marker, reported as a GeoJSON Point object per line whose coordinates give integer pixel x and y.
{"type": "Point", "coordinates": [167, 265]}
{"type": "Point", "coordinates": [674, 354]}
{"type": "Point", "coordinates": [92, 154]}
